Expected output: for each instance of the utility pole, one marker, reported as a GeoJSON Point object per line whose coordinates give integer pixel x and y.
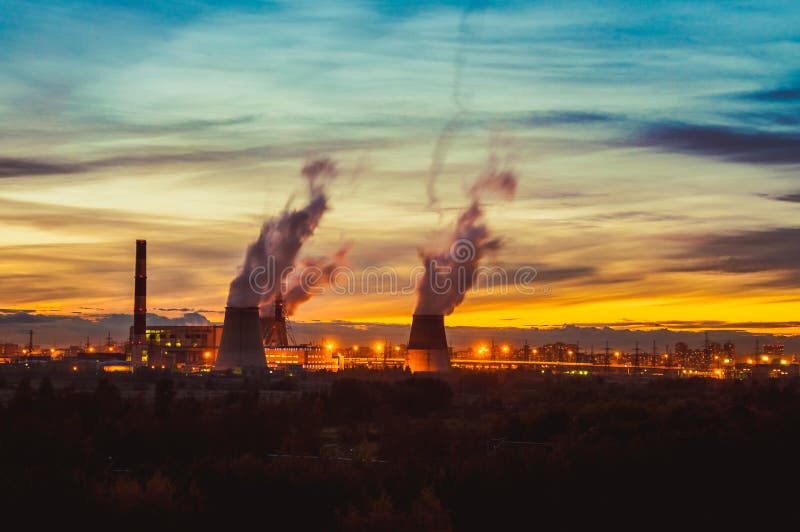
{"type": "Point", "coordinates": [30, 342]}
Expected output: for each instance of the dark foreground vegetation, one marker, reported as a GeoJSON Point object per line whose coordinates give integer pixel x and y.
{"type": "Point", "coordinates": [480, 452]}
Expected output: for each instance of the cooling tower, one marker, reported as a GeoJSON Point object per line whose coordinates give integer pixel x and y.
{"type": "Point", "coordinates": [427, 344]}
{"type": "Point", "coordinates": [240, 346]}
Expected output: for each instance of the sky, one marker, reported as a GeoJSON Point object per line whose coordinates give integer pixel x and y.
{"type": "Point", "coordinates": [656, 145]}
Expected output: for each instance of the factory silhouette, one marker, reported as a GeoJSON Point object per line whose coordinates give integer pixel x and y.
{"type": "Point", "coordinates": [250, 342]}
{"type": "Point", "coordinates": [255, 339]}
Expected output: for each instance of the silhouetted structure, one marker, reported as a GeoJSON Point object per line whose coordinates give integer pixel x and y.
{"type": "Point", "coordinates": [138, 349]}
{"type": "Point", "coordinates": [427, 344]}
{"type": "Point", "coordinates": [241, 345]}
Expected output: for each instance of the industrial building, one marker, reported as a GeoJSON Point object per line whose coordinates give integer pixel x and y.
{"type": "Point", "coordinates": [175, 346]}
{"type": "Point", "coordinates": [283, 353]}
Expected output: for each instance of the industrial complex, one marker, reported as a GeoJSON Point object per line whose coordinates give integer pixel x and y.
{"type": "Point", "coordinates": [256, 339]}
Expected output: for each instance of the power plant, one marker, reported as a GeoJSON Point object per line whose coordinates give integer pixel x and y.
{"type": "Point", "coordinates": [241, 346]}
{"type": "Point", "coordinates": [427, 344]}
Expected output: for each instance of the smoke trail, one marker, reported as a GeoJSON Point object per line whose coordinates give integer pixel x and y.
{"type": "Point", "coordinates": [451, 127]}
{"type": "Point", "coordinates": [450, 274]}
{"type": "Point", "coordinates": [274, 253]}
{"type": "Point", "coordinates": [312, 274]}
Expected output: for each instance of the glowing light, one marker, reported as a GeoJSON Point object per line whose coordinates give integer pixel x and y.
{"type": "Point", "coordinates": [617, 354]}
{"type": "Point", "coordinates": [751, 361]}
{"type": "Point", "coordinates": [784, 361]}
{"type": "Point", "coordinates": [505, 349]}
{"type": "Point", "coordinates": [726, 361]}
{"type": "Point", "coordinates": [207, 354]}
{"type": "Point", "coordinates": [355, 348]}
{"type": "Point", "coordinates": [379, 348]}
{"type": "Point", "coordinates": [74, 368]}
{"type": "Point", "coordinates": [329, 347]}
{"type": "Point", "coordinates": [52, 351]}
{"type": "Point", "coordinates": [764, 358]}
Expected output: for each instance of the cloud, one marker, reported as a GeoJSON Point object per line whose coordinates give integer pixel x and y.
{"type": "Point", "coordinates": [775, 251]}
{"type": "Point", "coordinates": [698, 324]}
{"type": "Point", "coordinates": [732, 144]}
{"type": "Point", "coordinates": [12, 167]}
{"type": "Point", "coordinates": [792, 198]}
{"type": "Point", "coordinates": [557, 118]}
{"type": "Point", "coordinates": [777, 95]}
{"type": "Point", "coordinates": [22, 318]}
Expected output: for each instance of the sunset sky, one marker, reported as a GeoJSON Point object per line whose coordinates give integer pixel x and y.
{"type": "Point", "coordinates": [656, 143]}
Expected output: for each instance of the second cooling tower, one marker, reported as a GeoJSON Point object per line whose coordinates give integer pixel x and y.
{"type": "Point", "coordinates": [427, 344]}
{"type": "Point", "coordinates": [241, 345]}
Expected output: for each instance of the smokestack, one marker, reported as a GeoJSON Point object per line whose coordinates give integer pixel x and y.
{"type": "Point", "coordinates": [427, 344]}
{"type": "Point", "coordinates": [240, 346]}
{"type": "Point", "coordinates": [140, 294]}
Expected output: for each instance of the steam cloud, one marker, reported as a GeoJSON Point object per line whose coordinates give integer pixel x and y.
{"type": "Point", "coordinates": [313, 274]}
{"type": "Point", "coordinates": [275, 251]}
{"type": "Point", "coordinates": [450, 274]}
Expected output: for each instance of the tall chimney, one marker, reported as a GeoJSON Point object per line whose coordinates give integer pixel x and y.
{"type": "Point", "coordinates": [427, 344]}
{"type": "Point", "coordinates": [140, 297]}
{"type": "Point", "coordinates": [241, 344]}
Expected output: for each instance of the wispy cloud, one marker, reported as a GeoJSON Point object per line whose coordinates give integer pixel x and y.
{"type": "Point", "coordinates": [733, 144]}
{"type": "Point", "coordinates": [773, 251]}
{"type": "Point", "coordinates": [12, 167]}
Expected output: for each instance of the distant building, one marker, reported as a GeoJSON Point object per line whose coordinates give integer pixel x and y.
{"type": "Point", "coordinates": [729, 350]}
{"type": "Point", "coordinates": [305, 356]}
{"type": "Point", "coordinates": [558, 352]}
{"type": "Point", "coordinates": [9, 351]}
{"type": "Point", "coordinates": [180, 345]}
{"type": "Point", "coordinates": [773, 349]}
